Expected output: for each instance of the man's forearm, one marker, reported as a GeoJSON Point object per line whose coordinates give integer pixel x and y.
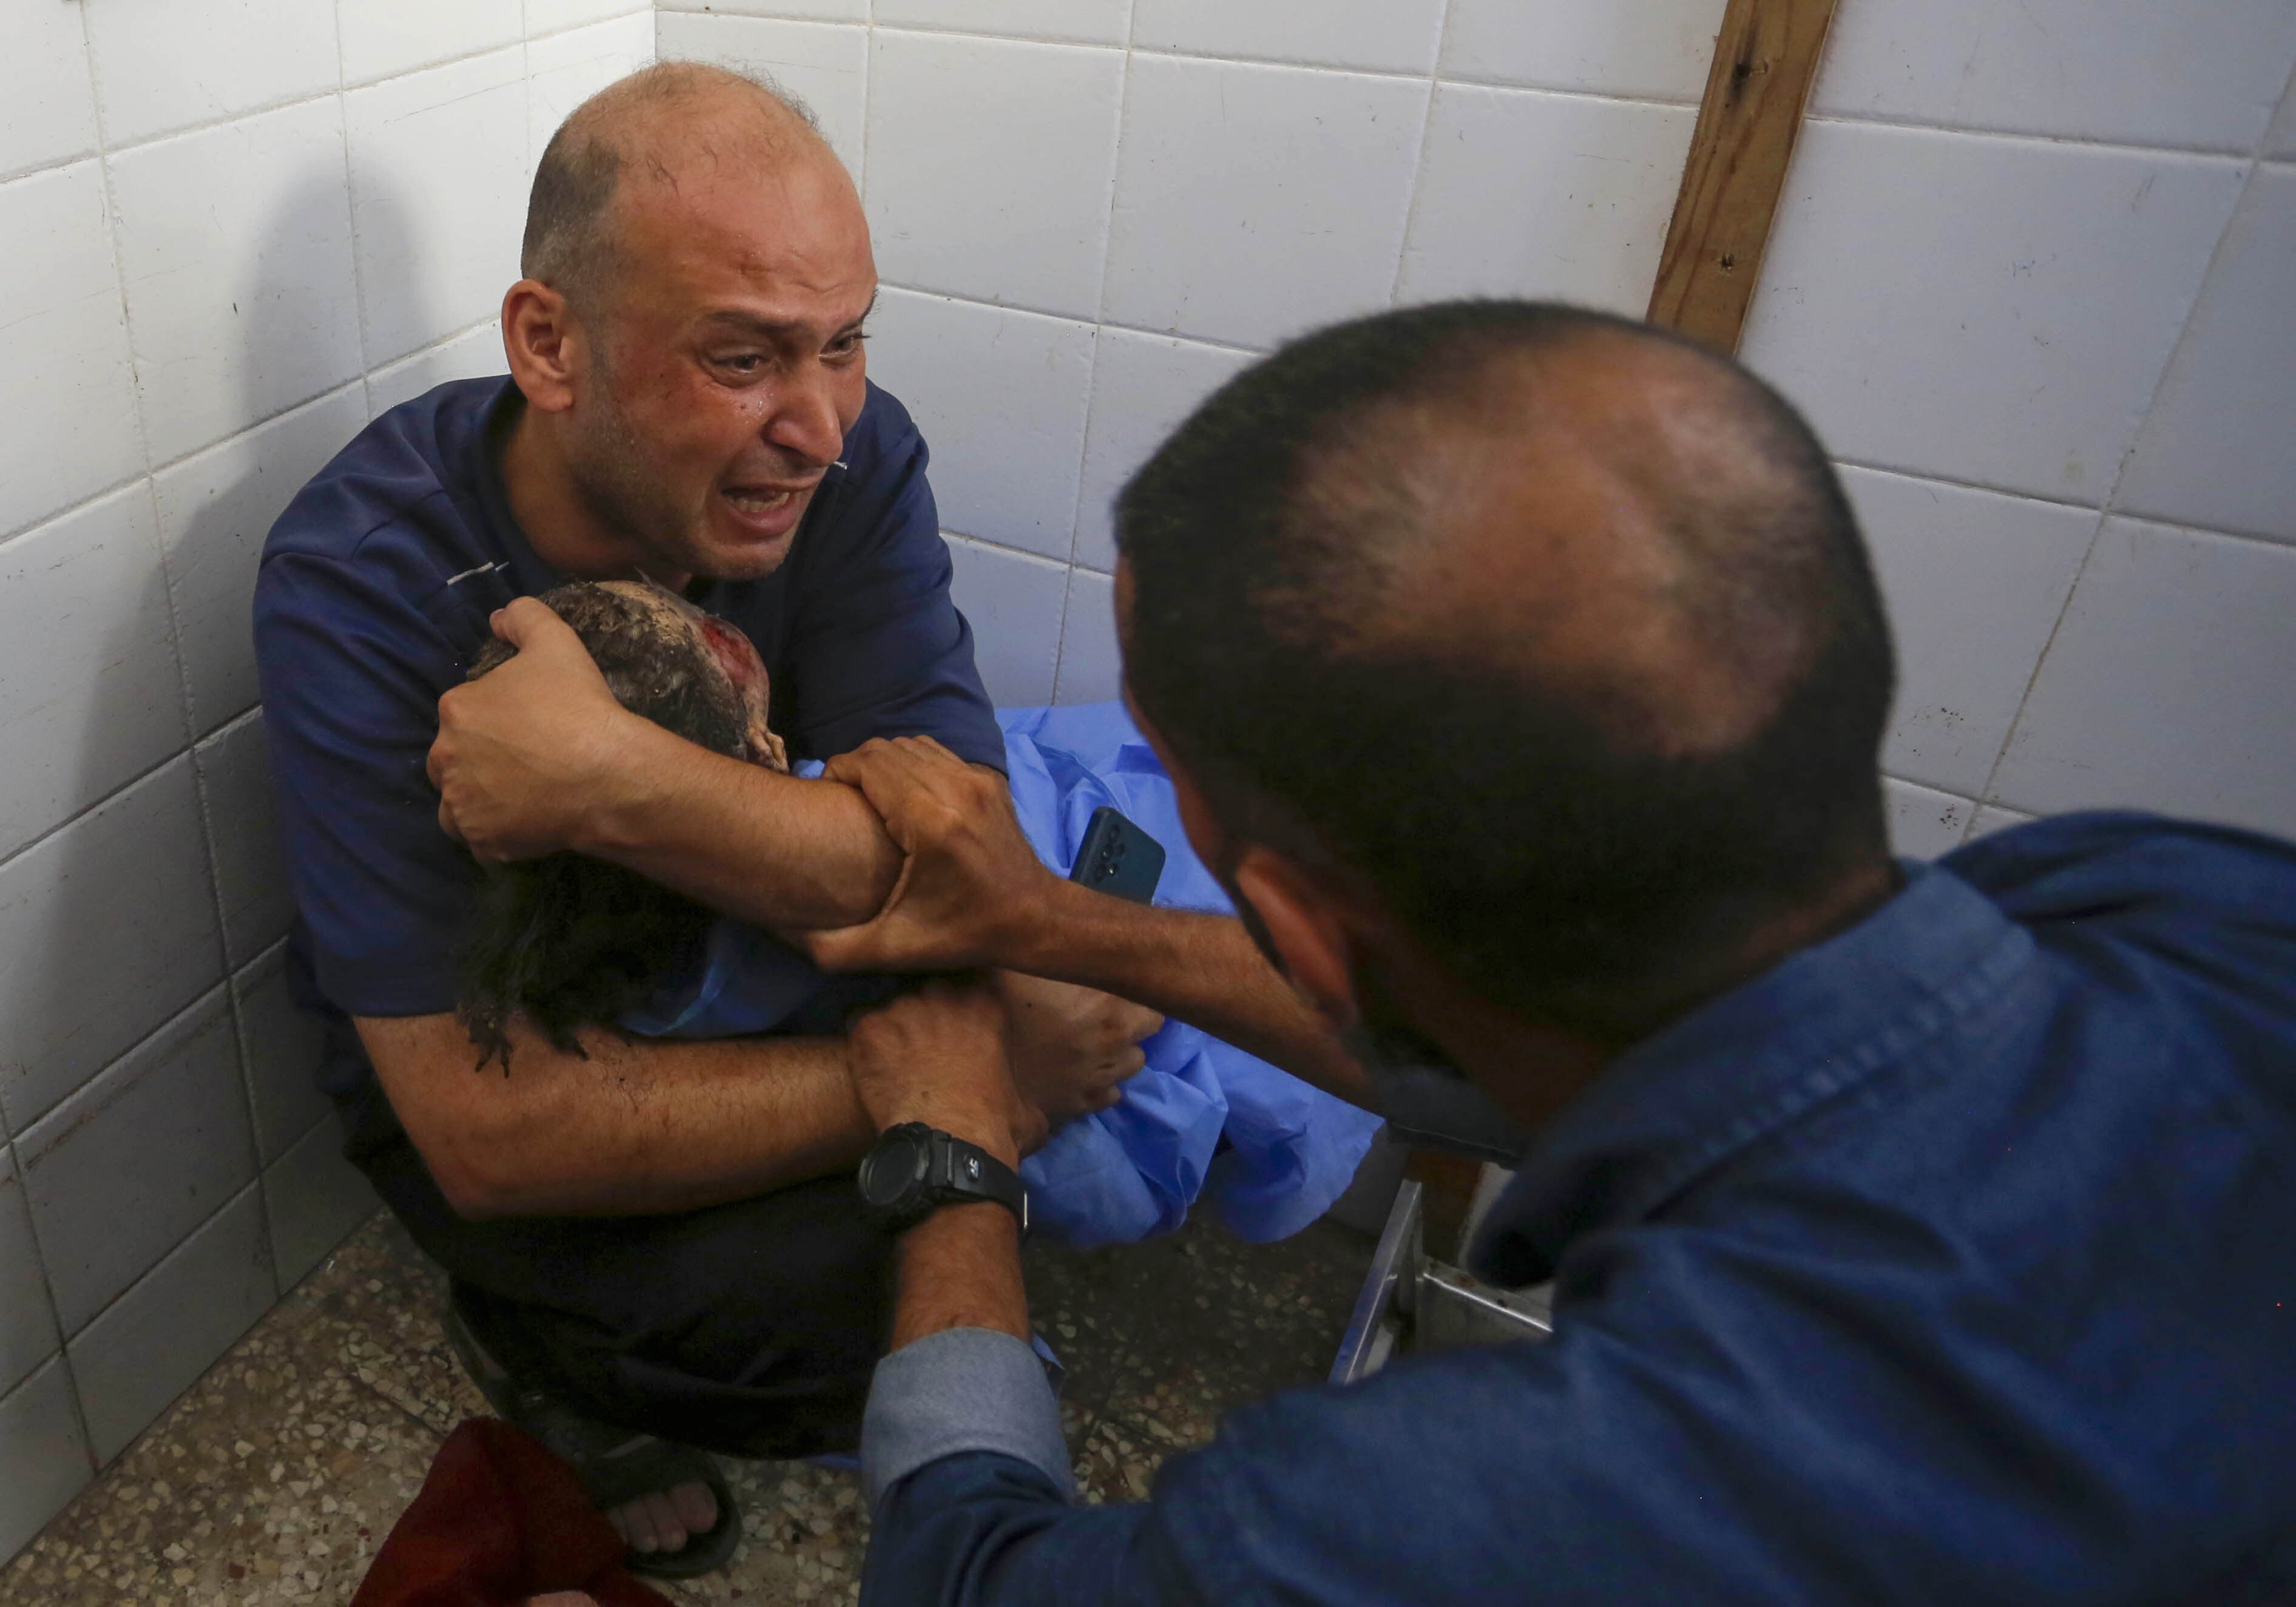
{"type": "Point", "coordinates": [768, 848]}
{"type": "Point", "coordinates": [637, 1128]}
{"type": "Point", "coordinates": [960, 1267]}
{"type": "Point", "coordinates": [1201, 969]}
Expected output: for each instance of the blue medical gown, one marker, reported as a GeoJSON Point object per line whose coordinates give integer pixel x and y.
{"type": "Point", "coordinates": [1133, 1169]}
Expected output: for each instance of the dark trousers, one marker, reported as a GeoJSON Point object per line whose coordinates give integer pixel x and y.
{"type": "Point", "coordinates": [750, 1328]}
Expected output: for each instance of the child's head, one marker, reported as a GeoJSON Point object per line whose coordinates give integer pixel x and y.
{"type": "Point", "coordinates": [569, 940]}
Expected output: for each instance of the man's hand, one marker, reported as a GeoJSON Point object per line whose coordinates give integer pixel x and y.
{"type": "Point", "coordinates": [1070, 1047]}
{"type": "Point", "coordinates": [969, 878]}
{"type": "Point", "coordinates": [938, 1056]}
{"type": "Point", "coordinates": [523, 753]}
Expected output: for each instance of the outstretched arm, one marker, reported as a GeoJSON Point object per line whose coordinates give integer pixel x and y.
{"type": "Point", "coordinates": [537, 757]}
{"type": "Point", "coordinates": [971, 892]}
{"type": "Point", "coordinates": [636, 1128]}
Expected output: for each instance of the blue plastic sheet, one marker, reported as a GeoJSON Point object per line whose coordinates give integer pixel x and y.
{"type": "Point", "coordinates": [1203, 1117]}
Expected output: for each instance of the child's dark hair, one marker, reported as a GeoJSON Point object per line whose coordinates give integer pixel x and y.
{"type": "Point", "coordinates": [567, 940]}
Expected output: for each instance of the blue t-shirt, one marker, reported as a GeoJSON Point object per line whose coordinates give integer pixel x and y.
{"type": "Point", "coordinates": [1953, 1260]}
{"type": "Point", "coordinates": [372, 599]}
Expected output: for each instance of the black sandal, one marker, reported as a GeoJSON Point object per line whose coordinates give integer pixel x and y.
{"type": "Point", "coordinates": [615, 1466]}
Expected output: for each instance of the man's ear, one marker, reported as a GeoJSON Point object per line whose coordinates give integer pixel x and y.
{"type": "Point", "coordinates": [543, 342]}
{"type": "Point", "coordinates": [1308, 928]}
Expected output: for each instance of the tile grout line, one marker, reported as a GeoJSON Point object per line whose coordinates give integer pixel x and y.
{"type": "Point", "coordinates": [1099, 325]}
{"type": "Point", "coordinates": [2108, 510]}
{"type": "Point", "coordinates": [1851, 119]}
{"type": "Point", "coordinates": [144, 448]}
{"type": "Point", "coordinates": [1935, 478]}
{"type": "Point", "coordinates": [1420, 157]}
{"type": "Point", "coordinates": [1439, 78]}
{"type": "Point", "coordinates": [1080, 320]}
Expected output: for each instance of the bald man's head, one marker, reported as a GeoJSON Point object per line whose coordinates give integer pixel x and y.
{"type": "Point", "coordinates": [1553, 628]}
{"type": "Point", "coordinates": [648, 127]}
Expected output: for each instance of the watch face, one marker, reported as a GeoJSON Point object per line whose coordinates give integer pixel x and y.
{"type": "Point", "coordinates": [893, 1169]}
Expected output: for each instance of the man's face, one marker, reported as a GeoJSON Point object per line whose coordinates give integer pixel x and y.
{"type": "Point", "coordinates": [727, 360]}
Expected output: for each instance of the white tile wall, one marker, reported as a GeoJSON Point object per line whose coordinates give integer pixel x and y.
{"type": "Point", "coordinates": [544, 17]}
{"type": "Point", "coordinates": [2280, 142]}
{"type": "Point", "coordinates": [280, 1043]}
{"type": "Point", "coordinates": [1379, 36]}
{"type": "Point", "coordinates": [1561, 197]}
{"type": "Point", "coordinates": [819, 10]}
{"type": "Point", "coordinates": [1991, 818]}
{"type": "Point", "coordinates": [315, 1198]}
{"type": "Point", "coordinates": [63, 348]}
{"type": "Point", "coordinates": [1983, 309]}
{"type": "Point", "coordinates": [2133, 72]}
{"type": "Point", "coordinates": [993, 162]}
{"type": "Point", "coordinates": [2220, 448]}
{"type": "Point", "coordinates": [153, 1343]}
{"type": "Point", "coordinates": [2168, 685]}
{"type": "Point", "coordinates": [1092, 670]}
{"type": "Point", "coordinates": [566, 69]}
{"type": "Point", "coordinates": [1078, 22]}
{"type": "Point", "coordinates": [88, 659]}
{"type": "Point", "coordinates": [28, 1321]}
{"type": "Point", "coordinates": [160, 68]}
{"type": "Point", "coordinates": [44, 1457]}
{"type": "Point", "coordinates": [1254, 202]}
{"type": "Point", "coordinates": [209, 288]}
{"type": "Point", "coordinates": [1142, 386]}
{"type": "Point", "coordinates": [824, 64]}
{"type": "Point", "coordinates": [234, 774]}
{"type": "Point", "coordinates": [1655, 50]}
{"type": "Point", "coordinates": [1013, 601]}
{"type": "Point", "coordinates": [47, 103]}
{"type": "Point", "coordinates": [215, 510]}
{"type": "Point", "coordinates": [235, 246]}
{"type": "Point", "coordinates": [466, 355]}
{"type": "Point", "coordinates": [1001, 397]}
{"type": "Point", "coordinates": [436, 257]}
{"type": "Point", "coordinates": [1974, 582]}
{"type": "Point", "coordinates": [1923, 822]}
{"type": "Point", "coordinates": [107, 928]}
{"type": "Point", "coordinates": [383, 38]}
{"type": "Point", "coordinates": [119, 1173]}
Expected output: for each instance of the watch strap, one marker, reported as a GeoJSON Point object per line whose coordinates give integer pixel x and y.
{"type": "Point", "coordinates": [955, 1171]}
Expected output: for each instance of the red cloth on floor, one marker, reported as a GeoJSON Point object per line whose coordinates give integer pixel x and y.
{"type": "Point", "coordinates": [499, 1520]}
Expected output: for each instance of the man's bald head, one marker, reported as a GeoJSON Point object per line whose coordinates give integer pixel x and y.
{"type": "Point", "coordinates": [1553, 628]}
{"type": "Point", "coordinates": [647, 128]}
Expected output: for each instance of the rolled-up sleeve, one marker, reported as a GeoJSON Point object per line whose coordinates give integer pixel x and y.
{"type": "Point", "coordinates": [968, 1481]}
{"type": "Point", "coordinates": [960, 1389]}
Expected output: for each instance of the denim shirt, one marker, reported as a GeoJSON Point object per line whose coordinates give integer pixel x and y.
{"type": "Point", "coordinates": [1952, 1260]}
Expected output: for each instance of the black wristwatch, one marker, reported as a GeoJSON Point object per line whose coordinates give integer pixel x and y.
{"type": "Point", "coordinates": [912, 1168]}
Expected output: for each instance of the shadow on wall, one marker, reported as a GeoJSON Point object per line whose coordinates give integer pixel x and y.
{"type": "Point", "coordinates": [169, 902]}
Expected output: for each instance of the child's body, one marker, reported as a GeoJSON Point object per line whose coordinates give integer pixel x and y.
{"type": "Point", "coordinates": [1274, 1152]}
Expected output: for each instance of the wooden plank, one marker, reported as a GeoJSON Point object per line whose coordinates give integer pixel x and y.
{"type": "Point", "coordinates": [1764, 63]}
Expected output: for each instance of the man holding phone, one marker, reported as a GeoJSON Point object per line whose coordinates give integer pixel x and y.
{"type": "Point", "coordinates": [1919, 1232]}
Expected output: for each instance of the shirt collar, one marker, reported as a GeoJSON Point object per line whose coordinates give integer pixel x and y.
{"type": "Point", "coordinates": [531, 576]}
{"type": "Point", "coordinates": [1744, 1065]}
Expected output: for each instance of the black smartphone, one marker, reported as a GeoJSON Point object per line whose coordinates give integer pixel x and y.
{"type": "Point", "coordinates": [1119, 858]}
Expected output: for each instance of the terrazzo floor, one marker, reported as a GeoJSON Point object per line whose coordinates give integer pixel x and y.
{"type": "Point", "coordinates": [276, 1478]}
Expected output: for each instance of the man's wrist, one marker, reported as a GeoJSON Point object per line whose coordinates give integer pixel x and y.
{"type": "Point", "coordinates": [1037, 925]}
{"type": "Point", "coordinates": [992, 1135]}
{"type": "Point", "coordinates": [615, 814]}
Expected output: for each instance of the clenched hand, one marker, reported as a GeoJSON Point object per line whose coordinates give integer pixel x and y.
{"type": "Point", "coordinates": [968, 875]}
{"type": "Point", "coordinates": [523, 754]}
